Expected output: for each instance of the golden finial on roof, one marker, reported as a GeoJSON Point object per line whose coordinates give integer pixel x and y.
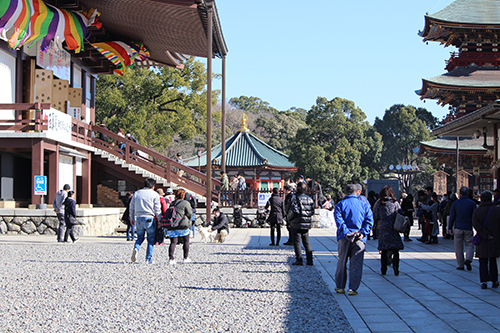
{"type": "Point", "coordinates": [244, 127]}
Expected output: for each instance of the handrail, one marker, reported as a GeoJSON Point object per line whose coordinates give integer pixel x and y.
{"type": "Point", "coordinates": [84, 133]}
{"type": "Point", "coordinates": [155, 162]}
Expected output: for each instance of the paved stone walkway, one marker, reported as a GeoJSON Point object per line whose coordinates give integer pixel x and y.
{"type": "Point", "coordinates": [429, 295]}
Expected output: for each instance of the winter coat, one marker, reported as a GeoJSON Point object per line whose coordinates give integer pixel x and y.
{"type": "Point", "coordinates": [277, 209]}
{"type": "Point", "coordinates": [461, 214]}
{"type": "Point", "coordinates": [69, 211]}
{"type": "Point", "coordinates": [221, 223]}
{"type": "Point", "coordinates": [301, 220]}
{"type": "Point", "coordinates": [487, 248]}
{"type": "Point", "coordinates": [408, 209]}
{"type": "Point", "coordinates": [184, 212]}
{"type": "Point", "coordinates": [433, 207]}
{"type": "Point", "coordinates": [352, 214]}
{"type": "Point", "coordinates": [384, 215]}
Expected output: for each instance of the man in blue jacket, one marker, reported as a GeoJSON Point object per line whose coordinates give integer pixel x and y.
{"type": "Point", "coordinates": [354, 221]}
{"type": "Point", "coordinates": [461, 227]}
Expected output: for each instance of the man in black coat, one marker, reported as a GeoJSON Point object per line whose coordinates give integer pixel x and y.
{"type": "Point", "coordinates": [299, 216]}
{"type": "Point", "coordinates": [275, 218]}
{"type": "Point", "coordinates": [221, 224]}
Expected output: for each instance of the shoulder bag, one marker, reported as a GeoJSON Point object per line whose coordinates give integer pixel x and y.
{"type": "Point", "coordinates": [402, 222]}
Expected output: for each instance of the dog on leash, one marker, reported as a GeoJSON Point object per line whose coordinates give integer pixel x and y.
{"type": "Point", "coordinates": [206, 235]}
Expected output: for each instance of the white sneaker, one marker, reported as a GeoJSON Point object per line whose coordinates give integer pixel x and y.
{"type": "Point", "coordinates": [187, 261]}
{"type": "Point", "coordinates": [171, 262]}
{"type": "Point", "coordinates": [134, 255]}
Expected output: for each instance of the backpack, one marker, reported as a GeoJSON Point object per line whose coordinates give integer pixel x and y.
{"type": "Point", "coordinates": [192, 201]}
{"type": "Point", "coordinates": [170, 219]}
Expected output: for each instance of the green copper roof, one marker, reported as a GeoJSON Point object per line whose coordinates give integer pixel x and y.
{"type": "Point", "coordinates": [450, 143]}
{"type": "Point", "coordinates": [244, 149]}
{"type": "Point", "coordinates": [470, 11]}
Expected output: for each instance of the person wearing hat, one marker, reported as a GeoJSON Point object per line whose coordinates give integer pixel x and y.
{"type": "Point", "coordinates": [170, 197]}
{"type": "Point", "coordinates": [221, 224]}
{"type": "Point", "coordinates": [354, 219]}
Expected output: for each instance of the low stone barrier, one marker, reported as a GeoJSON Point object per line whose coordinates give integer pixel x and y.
{"type": "Point", "coordinates": [91, 221]}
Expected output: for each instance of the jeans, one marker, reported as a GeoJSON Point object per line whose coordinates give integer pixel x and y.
{"type": "Point", "coordinates": [130, 231]}
{"type": "Point", "coordinates": [145, 225]}
{"type": "Point", "coordinates": [62, 227]}
{"type": "Point", "coordinates": [354, 252]}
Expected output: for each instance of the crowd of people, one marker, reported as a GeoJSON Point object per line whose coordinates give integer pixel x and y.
{"type": "Point", "coordinates": [357, 218]}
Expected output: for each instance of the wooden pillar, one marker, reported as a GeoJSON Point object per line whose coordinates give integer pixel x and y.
{"type": "Point", "coordinates": [36, 167]}
{"type": "Point", "coordinates": [209, 112]}
{"type": "Point", "coordinates": [53, 179]}
{"type": "Point", "coordinates": [223, 122]}
{"type": "Point", "coordinates": [86, 182]}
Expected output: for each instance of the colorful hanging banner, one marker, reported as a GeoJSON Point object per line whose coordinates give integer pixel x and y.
{"type": "Point", "coordinates": [33, 20]}
{"type": "Point", "coordinates": [122, 55]}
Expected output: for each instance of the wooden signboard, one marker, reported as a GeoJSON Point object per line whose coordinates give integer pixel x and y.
{"type": "Point", "coordinates": [440, 182]}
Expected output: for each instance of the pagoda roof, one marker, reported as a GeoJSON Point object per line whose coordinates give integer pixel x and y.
{"type": "Point", "coordinates": [473, 12]}
{"type": "Point", "coordinates": [448, 144]}
{"type": "Point", "coordinates": [245, 150]}
{"type": "Point", "coordinates": [471, 76]}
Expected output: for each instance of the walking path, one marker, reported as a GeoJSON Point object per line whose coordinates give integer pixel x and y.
{"type": "Point", "coordinates": [429, 295]}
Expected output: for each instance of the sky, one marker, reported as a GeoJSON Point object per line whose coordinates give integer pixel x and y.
{"type": "Point", "coordinates": [288, 53]}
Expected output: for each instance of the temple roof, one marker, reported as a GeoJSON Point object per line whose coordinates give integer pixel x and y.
{"type": "Point", "coordinates": [245, 150]}
{"type": "Point", "coordinates": [470, 11]}
{"type": "Point", "coordinates": [471, 76]}
{"type": "Point", "coordinates": [169, 29]}
{"type": "Point", "coordinates": [449, 144]}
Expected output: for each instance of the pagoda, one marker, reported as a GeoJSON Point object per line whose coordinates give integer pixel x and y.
{"type": "Point", "coordinates": [263, 166]}
{"type": "Point", "coordinates": [472, 80]}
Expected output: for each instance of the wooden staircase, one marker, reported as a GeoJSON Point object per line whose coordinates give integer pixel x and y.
{"type": "Point", "coordinates": [148, 163]}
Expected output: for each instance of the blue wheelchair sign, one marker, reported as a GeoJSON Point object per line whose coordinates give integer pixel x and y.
{"type": "Point", "coordinates": [40, 185]}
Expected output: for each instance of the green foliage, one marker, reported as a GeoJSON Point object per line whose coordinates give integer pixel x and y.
{"type": "Point", "coordinates": [402, 130]}
{"type": "Point", "coordinates": [251, 104]}
{"type": "Point", "coordinates": [338, 147]}
{"type": "Point", "coordinates": [277, 130]}
{"type": "Point", "coordinates": [430, 121]}
{"type": "Point", "coordinates": [134, 102]}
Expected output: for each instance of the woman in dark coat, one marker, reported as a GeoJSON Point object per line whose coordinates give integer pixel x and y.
{"type": "Point", "coordinates": [70, 216]}
{"type": "Point", "coordinates": [486, 221]}
{"type": "Point", "coordinates": [384, 212]}
{"type": "Point", "coordinates": [275, 218]}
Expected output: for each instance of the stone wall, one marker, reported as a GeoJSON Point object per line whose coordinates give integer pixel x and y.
{"type": "Point", "coordinates": [91, 222]}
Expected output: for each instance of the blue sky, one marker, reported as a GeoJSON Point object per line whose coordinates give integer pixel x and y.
{"type": "Point", "coordinates": [290, 52]}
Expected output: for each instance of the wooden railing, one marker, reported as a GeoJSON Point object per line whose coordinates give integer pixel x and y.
{"type": "Point", "coordinates": [250, 197]}
{"type": "Point", "coordinates": [152, 161]}
{"type": "Point", "coordinates": [132, 153]}
{"type": "Point", "coordinates": [24, 125]}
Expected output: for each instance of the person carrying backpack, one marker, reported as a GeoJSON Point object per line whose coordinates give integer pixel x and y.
{"type": "Point", "coordinates": [183, 213]}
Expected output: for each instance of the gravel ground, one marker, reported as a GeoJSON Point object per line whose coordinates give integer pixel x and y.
{"type": "Point", "coordinates": [95, 288]}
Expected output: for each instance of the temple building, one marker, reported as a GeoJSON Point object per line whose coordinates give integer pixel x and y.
{"type": "Point", "coordinates": [472, 80]}
{"type": "Point", "coordinates": [474, 161]}
{"type": "Point", "coordinates": [263, 167]}
{"type": "Point", "coordinates": [51, 52]}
